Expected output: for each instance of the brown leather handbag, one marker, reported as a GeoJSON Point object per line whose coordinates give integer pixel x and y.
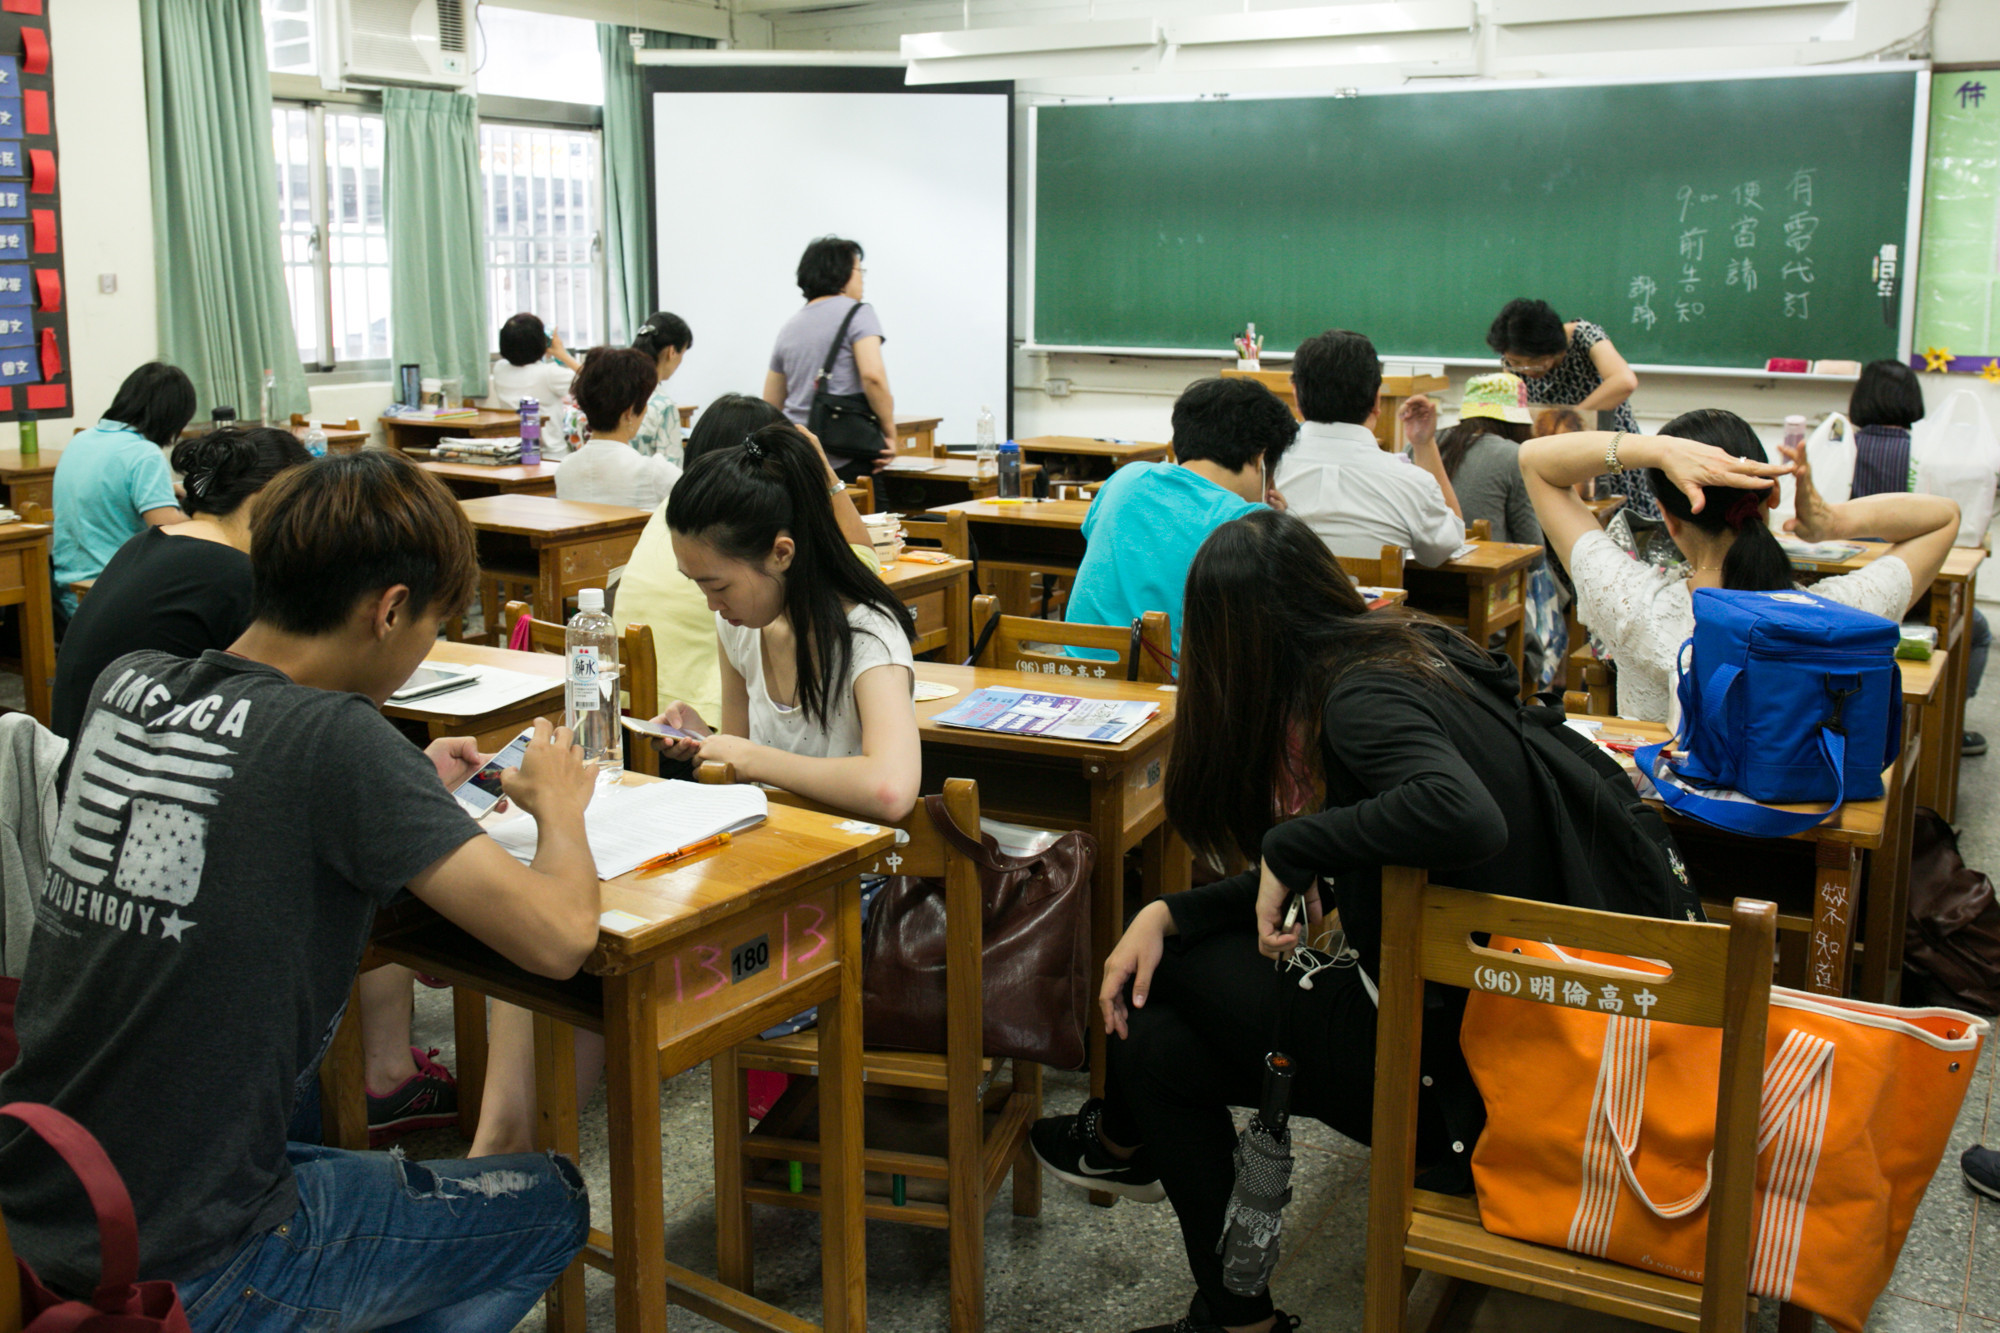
{"type": "Point", "coordinates": [1035, 963]}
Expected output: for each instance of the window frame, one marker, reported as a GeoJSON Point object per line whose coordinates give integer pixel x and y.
{"type": "Point", "coordinates": [600, 268]}
{"type": "Point", "coordinates": [327, 362]}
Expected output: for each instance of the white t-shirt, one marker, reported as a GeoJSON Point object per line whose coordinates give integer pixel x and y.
{"type": "Point", "coordinates": [609, 472]}
{"type": "Point", "coordinates": [1643, 614]}
{"type": "Point", "coordinates": [1359, 499]}
{"type": "Point", "coordinates": [547, 382]}
{"type": "Point", "coordinates": [878, 641]}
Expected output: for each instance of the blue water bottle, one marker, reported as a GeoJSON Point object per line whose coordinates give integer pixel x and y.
{"type": "Point", "coordinates": [531, 431]}
{"type": "Point", "coordinates": [1010, 471]}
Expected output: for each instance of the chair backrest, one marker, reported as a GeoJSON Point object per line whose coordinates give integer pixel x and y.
{"type": "Point", "coordinates": [1383, 572]}
{"type": "Point", "coordinates": [1017, 643]}
{"type": "Point", "coordinates": [944, 531]}
{"type": "Point", "coordinates": [352, 423]}
{"type": "Point", "coordinates": [862, 491]}
{"type": "Point", "coordinates": [1479, 530]}
{"type": "Point", "coordinates": [1720, 978]}
{"type": "Point", "coordinates": [31, 512]}
{"type": "Point", "coordinates": [638, 673]}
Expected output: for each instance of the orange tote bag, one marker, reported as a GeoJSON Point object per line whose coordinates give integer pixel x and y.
{"type": "Point", "coordinates": [1600, 1131]}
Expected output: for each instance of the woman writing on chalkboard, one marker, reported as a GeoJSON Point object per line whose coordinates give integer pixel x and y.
{"type": "Point", "coordinates": [1573, 365]}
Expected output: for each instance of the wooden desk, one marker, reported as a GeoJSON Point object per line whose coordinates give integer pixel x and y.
{"type": "Point", "coordinates": [1816, 945]}
{"type": "Point", "coordinates": [491, 729]}
{"type": "Point", "coordinates": [1484, 592]}
{"type": "Point", "coordinates": [339, 439]}
{"type": "Point", "coordinates": [30, 480]}
{"type": "Point", "coordinates": [1947, 607]}
{"type": "Point", "coordinates": [24, 582]}
{"type": "Point", "coordinates": [687, 413]}
{"type": "Point", "coordinates": [940, 596]}
{"type": "Point", "coordinates": [1604, 507]}
{"type": "Point", "coordinates": [417, 433]}
{"type": "Point", "coordinates": [1077, 457]}
{"type": "Point", "coordinates": [469, 481]}
{"type": "Point", "coordinates": [1114, 791]}
{"type": "Point", "coordinates": [1396, 389]}
{"type": "Point", "coordinates": [917, 435]}
{"type": "Point", "coordinates": [795, 880]}
{"type": "Point", "coordinates": [555, 547]}
{"type": "Point", "coordinates": [1015, 540]}
{"type": "Point", "coordinates": [951, 480]}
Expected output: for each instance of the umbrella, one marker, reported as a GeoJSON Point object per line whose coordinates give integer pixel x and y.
{"type": "Point", "coordinates": [1256, 1212]}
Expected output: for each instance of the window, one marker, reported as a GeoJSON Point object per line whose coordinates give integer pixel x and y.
{"type": "Point", "coordinates": [289, 36]}
{"type": "Point", "coordinates": [543, 214]}
{"type": "Point", "coordinates": [332, 231]}
{"type": "Point", "coordinates": [545, 56]}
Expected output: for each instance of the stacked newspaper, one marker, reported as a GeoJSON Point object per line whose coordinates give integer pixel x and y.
{"type": "Point", "coordinates": [502, 452]}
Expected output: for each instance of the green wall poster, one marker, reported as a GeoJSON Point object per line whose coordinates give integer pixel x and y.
{"type": "Point", "coordinates": [1958, 266]}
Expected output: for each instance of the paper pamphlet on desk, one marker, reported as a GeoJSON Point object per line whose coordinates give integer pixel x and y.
{"type": "Point", "coordinates": [1818, 552]}
{"type": "Point", "coordinates": [630, 825]}
{"type": "Point", "coordinates": [913, 463]}
{"type": "Point", "coordinates": [495, 688]}
{"type": "Point", "coordinates": [1062, 716]}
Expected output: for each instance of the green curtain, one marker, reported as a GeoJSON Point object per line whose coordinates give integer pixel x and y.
{"type": "Point", "coordinates": [223, 313]}
{"type": "Point", "coordinates": [628, 225]}
{"type": "Point", "coordinates": [436, 214]}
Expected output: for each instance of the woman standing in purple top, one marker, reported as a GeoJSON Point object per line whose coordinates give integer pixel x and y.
{"type": "Point", "coordinates": [858, 425]}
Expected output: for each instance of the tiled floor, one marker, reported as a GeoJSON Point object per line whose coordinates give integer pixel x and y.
{"type": "Point", "coordinates": [1078, 1269]}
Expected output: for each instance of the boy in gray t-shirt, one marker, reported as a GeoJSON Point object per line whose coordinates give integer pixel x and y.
{"type": "Point", "coordinates": [231, 825]}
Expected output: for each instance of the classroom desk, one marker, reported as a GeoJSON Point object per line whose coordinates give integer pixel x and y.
{"type": "Point", "coordinates": [1396, 389]}
{"type": "Point", "coordinates": [1604, 506]}
{"type": "Point", "coordinates": [417, 433]}
{"type": "Point", "coordinates": [917, 435]}
{"type": "Point", "coordinates": [495, 728]}
{"type": "Point", "coordinates": [31, 480]}
{"type": "Point", "coordinates": [940, 597]}
{"type": "Point", "coordinates": [952, 479]}
{"type": "Point", "coordinates": [1484, 592]}
{"type": "Point", "coordinates": [660, 939]}
{"type": "Point", "coordinates": [1947, 607]}
{"type": "Point", "coordinates": [1116, 792]}
{"type": "Point", "coordinates": [1821, 866]}
{"type": "Point", "coordinates": [339, 439]}
{"type": "Point", "coordinates": [1073, 457]}
{"type": "Point", "coordinates": [469, 481]}
{"type": "Point", "coordinates": [24, 582]}
{"type": "Point", "coordinates": [555, 547]}
{"type": "Point", "coordinates": [1012, 540]}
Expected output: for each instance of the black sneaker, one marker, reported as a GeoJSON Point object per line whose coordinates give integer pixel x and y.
{"type": "Point", "coordinates": [1974, 746]}
{"type": "Point", "coordinates": [1982, 1170]}
{"type": "Point", "coordinates": [1197, 1320]}
{"type": "Point", "coordinates": [1068, 1146]}
{"type": "Point", "coordinates": [427, 1099]}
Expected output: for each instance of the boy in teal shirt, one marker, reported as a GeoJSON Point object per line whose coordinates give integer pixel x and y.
{"type": "Point", "coordinates": [1149, 519]}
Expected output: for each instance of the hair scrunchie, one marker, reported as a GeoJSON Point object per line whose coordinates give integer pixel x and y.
{"type": "Point", "coordinates": [1743, 509]}
{"type": "Point", "coordinates": [753, 449]}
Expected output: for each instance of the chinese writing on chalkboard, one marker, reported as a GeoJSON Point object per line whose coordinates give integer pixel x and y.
{"type": "Point", "coordinates": [1726, 222]}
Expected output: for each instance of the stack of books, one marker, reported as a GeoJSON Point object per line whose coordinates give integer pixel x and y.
{"type": "Point", "coordinates": [886, 531]}
{"type": "Point", "coordinates": [433, 413]}
{"type": "Point", "coordinates": [501, 452]}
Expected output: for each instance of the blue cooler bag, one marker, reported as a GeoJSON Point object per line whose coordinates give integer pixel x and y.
{"type": "Point", "coordinates": [1787, 699]}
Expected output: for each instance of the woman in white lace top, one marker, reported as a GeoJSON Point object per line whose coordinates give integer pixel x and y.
{"type": "Point", "coordinates": [1711, 476]}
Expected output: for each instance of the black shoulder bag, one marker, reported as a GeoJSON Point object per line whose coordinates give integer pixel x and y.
{"type": "Point", "coordinates": [846, 426]}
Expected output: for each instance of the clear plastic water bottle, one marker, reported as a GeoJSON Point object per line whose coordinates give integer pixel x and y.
{"type": "Point", "coordinates": [314, 439]}
{"type": "Point", "coordinates": [986, 454]}
{"type": "Point", "coordinates": [1795, 431]}
{"type": "Point", "coordinates": [531, 442]}
{"type": "Point", "coordinates": [264, 396]}
{"type": "Point", "coordinates": [590, 647]}
{"type": "Point", "coordinates": [1009, 468]}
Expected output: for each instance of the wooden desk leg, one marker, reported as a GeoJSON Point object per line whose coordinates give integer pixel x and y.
{"type": "Point", "coordinates": [556, 1131]}
{"type": "Point", "coordinates": [1959, 668]}
{"type": "Point", "coordinates": [468, 1032]}
{"type": "Point", "coordinates": [958, 617]}
{"type": "Point", "coordinates": [632, 1110]}
{"type": "Point", "coordinates": [343, 1091]}
{"type": "Point", "coordinates": [38, 633]}
{"type": "Point", "coordinates": [843, 1251]}
{"type": "Point", "coordinates": [1107, 910]}
{"type": "Point", "coordinates": [734, 1261]}
{"type": "Point", "coordinates": [1168, 863]}
{"type": "Point", "coordinates": [1837, 868]}
{"type": "Point", "coordinates": [1889, 876]}
{"type": "Point", "coordinates": [548, 587]}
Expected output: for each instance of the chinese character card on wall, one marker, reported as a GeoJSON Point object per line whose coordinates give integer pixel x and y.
{"type": "Point", "coordinates": [34, 322]}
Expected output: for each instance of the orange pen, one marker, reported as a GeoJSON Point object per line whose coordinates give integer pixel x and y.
{"type": "Point", "coordinates": [692, 849]}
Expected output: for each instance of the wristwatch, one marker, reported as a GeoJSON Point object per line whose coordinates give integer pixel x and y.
{"type": "Point", "coordinates": [1611, 463]}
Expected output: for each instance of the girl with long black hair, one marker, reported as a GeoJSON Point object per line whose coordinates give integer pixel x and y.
{"type": "Point", "coordinates": [1290, 687]}
{"type": "Point", "coordinates": [814, 647]}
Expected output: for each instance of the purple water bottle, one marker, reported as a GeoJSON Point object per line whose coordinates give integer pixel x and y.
{"type": "Point", "coordinates": [531, 431]}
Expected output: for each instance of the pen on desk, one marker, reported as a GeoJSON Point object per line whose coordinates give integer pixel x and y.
{"type": "Point", "coordinates": [692, 849]}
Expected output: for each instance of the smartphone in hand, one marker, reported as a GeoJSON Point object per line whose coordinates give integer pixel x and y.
{"type": "Point", "coordinates": [481, 792]}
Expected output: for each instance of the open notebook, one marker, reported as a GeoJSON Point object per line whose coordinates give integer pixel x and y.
{"type": "Point", "coordinates": [629, 826]}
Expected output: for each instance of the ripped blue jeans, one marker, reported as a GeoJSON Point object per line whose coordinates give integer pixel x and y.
{"type": "Point", "coordinates": [381, 1242]}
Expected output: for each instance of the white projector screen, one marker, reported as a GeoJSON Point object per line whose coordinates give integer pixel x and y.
{"type": "Point", "coordinates": [746, 179]}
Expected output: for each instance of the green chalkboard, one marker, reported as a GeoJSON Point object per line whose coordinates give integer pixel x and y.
{"type": "Point", "coordinates": [1708, 223]}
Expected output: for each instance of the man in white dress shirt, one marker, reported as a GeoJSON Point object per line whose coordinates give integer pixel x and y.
{"type": "Point", "coordinates": [1337, 477]}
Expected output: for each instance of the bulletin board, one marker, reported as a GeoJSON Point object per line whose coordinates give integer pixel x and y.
{"type": "Point", "coordinates": [1958, 271]}
{"type": "Point", "coordinates": [34, 325]}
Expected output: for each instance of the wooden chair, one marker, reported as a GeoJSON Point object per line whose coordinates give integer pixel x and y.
{"type": "Point", "coordinates": [1384, 572]}
{"type": "Point", "coordinates": [862, 491]}
{"type": "Point", "coordinates": [986, 1127]}
{"type": "Point", "coordinates": [1588, 684]}
{"type": "Point", "coordinates": [944, 531]}
{"type": "Point", "coordinates": [638, 676]}
{"type": "Point", "coordinates": [1721, 978]}
{"type": "Point", "coordinates": [10, 1285]}
{"type": "Point", "coordinates": [1479, 530]}
{"type": "Point", "coordinates": [1018, 643]}
{"type": "Point", "coordinates": [31, 512]}
{"type": "Point", "coordinates": [300, 421]}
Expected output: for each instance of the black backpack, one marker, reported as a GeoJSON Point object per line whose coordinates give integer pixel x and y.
{"type": "Point", "coordinates": [1615, 852]}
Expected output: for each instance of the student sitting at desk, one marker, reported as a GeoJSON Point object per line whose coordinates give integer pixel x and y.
{"type": "Point", "coordinates": [815, 649]}
{"type": "Point", "coordinates": [666, 338]}
{"type": "Point", "coordinates": [611, 391]}
{"type": "Point", "coordinates": [533, 364]}
{"type": "Point", "coordinates": [112, 480]}
{"type": "Point", "coordinates": [1336, 478]}
{"type": "Point", "coordinates": [1288, 684]}
{"type": "Point", "coordinates": [1149, 519]}
{"type": "Point", "coordinates": [1709, 472]}
{"type": "Point", "coordinates": [231, 826]}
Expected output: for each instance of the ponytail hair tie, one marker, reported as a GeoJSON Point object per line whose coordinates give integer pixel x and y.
{"type": "Point", "coordinates": [753, 449]}
{"type": "Point", "coordinates": [1743, 509]}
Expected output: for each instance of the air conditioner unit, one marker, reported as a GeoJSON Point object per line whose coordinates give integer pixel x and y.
{"type": "Point", "coordinates": [423, 42]}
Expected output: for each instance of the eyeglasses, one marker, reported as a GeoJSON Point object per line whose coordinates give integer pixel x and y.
{"type": "Point", "coordinates": [1540, 365]}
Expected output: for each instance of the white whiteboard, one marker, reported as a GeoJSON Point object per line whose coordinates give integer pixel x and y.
{"type": "Point", "coordinates": [745, 180]}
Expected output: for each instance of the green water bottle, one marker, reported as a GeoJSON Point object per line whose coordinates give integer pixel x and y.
{"type": "Point", "coordinates": [31, 438]}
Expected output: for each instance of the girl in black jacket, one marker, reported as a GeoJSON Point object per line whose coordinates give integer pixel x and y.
{"type": "Point", "coordinates": [1288, 684]}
